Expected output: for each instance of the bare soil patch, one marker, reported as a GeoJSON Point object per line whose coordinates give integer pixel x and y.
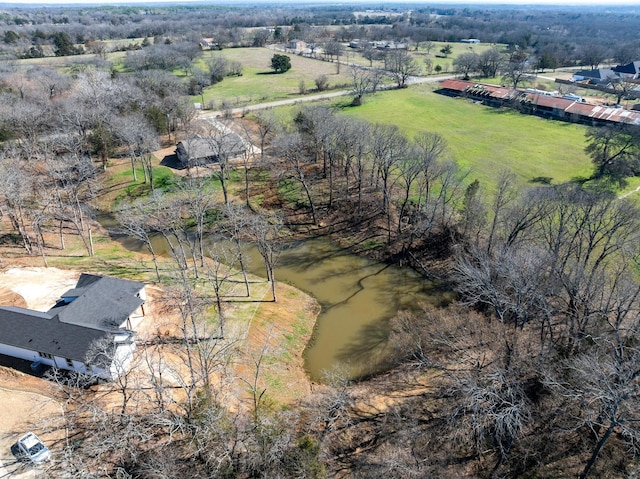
{"type": "Point", "coordinates": [28, 404]}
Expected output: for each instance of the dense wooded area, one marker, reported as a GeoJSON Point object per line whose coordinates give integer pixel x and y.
{"type": "Point", "coordinates": [529, 370]}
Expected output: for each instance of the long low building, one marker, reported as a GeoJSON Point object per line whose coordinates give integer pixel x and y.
{"type": "Point", "coordinates": [541, 104]}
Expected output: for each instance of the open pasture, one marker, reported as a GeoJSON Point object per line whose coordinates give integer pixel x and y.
{"type": "Point", "coordinates": [485, 140]}
{"type": "Point", "coordinates": [258, 83]}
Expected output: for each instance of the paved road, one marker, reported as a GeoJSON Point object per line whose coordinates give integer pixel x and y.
{"type": "Point", "coordinates": [309, 98]}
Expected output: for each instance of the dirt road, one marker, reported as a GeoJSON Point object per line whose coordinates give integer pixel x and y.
{"type": "Point", "coordinates": [308, 98]}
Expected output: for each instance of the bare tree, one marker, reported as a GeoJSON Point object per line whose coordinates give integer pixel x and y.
{"type": "Point", "coordinates": [134, 221]}
{"type": "Point", "coordinates": [198, 199]}
{"type": "Point", "coordinates": [223, 142]}
{"type": "Point", "coordinates": [140, 140]}
{"type": "Point", "coordinates": [622, 87]}
{"type": "Point", "coordinates": [593, 54]}
{"type": "Point", "coordinates": [388, 148]}
{"type": "Point", "coordinates": [364, 81]}
{"type": "Point", "coordinates": [489, 62]}
{"type": "Point", "coordinates": [602, 391]}
{"type": "Point", "coordinates": [265, 233]}
{"type": "Point", "coordinates": [505, 194]}
{"type": "Point", "coordinates": [466, 63]}
{"type": "Point", "coordinates": [401, 66]}
{"type": "Point", "coordinates": [291, 151]}
{"type": "Point", "coordinates": [334, 49]}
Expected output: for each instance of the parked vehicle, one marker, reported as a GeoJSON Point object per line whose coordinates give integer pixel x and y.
{"type": "Point", "coordinates": [571, 96]}
{"type": "Point", "coordinates": [33, 448]}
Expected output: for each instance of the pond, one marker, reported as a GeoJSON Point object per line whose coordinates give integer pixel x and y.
{"type": "Point", "coordinates": [358, 296]}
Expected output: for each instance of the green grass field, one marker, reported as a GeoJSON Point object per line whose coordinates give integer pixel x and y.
{"type": "Point", "coordinates": [446, 63]}
{"type": "Point", "coordinates": [259, 84]}
{"type": "Point", "coordinates": [485, 140]}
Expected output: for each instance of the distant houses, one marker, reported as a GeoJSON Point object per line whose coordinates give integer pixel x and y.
{"type": "Point", "coordinates": [599, 76]}
{"type": "Point", "coordinates": [378, 45]}
{"type": "Point", "coordinates": [296, 45]}
{"type": "Point", "coordinates": [567, 108]}
{"type": "Point", "coordinates": [209, 44]}
{"type": "Point", "coordinates": [606, 76]}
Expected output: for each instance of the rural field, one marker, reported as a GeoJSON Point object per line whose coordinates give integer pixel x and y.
{"type": "Point", "coordinates": [259, 83]}
{"type": "Point", "coordinates": [484, 140]}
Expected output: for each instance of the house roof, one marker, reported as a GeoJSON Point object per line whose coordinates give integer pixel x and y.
{"type": "Point", "coordinates": [42, 332]}
{"type": "Point", "coordinates": [632, 68]}
{"type": "Point", "coordinates": [598, 74]}
{"type": "Point", "coordinates": [198, 148]}
{"type": "Point", "coordinates": [67, 330]}
{"type": "Point", "coordinates": [100, 302]}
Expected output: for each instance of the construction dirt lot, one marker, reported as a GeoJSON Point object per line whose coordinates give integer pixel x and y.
{"type": "Point", "coordinates": [32, 403]}
{"type": "Point", "coordinates": [28, 402]}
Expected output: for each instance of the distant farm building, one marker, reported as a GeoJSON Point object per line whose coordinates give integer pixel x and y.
{"type": "Point", "coordinates": [297, 45]}
{"type": "Point", "coordinates": [209, 44]}
{"type": "Point", "coordinates": [541, 104]}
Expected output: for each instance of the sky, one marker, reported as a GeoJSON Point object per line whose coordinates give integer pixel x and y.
{"type": "Point", "coordinates": [437, 2]}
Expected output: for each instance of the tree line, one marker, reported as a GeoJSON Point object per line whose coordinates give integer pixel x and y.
{"type": "Point", "coordinates": [555, 37]}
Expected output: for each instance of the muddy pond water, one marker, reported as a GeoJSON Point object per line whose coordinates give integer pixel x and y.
{"type": "Point", "coordinates": [358, 296]}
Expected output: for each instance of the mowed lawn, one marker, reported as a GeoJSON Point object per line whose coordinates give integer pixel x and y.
{"type": "Point", "coordinates": [485, 140]}
{"type": "Point", "coordinates": [258, 83]}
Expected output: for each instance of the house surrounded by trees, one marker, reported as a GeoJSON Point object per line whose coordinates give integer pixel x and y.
{"type": "Point", "coordinates": [197, 150]}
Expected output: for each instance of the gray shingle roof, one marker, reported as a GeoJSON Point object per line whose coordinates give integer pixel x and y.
{"type": "Point", "coordinates": [198, 150]}
{"type": "Point", "coordinates": [67, 330]}
{"type": "Point", "coordinates": [101, 302]}
{"type": "Point", "coordinates": [632, 68]}
{"type": "Point", "coordinates": [44, 333]}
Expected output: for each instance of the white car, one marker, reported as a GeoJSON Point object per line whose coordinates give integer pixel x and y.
{"type": "Point", "coordinates": [33, 448]}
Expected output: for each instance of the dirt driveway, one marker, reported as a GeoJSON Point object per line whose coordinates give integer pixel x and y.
{"type": "Point", "coordinates": [27, 402]}
{"type": "Point", "coordinates": [24, 411]}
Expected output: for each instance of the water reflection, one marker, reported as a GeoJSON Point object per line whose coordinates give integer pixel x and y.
{"type": "Point", "coordinates": [357, 296]}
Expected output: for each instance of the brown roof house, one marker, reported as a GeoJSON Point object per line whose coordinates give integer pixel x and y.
{"type": "Point", "coordinates": [89, 330]}
{"type": "Point", "coordinates": [197, 150]}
